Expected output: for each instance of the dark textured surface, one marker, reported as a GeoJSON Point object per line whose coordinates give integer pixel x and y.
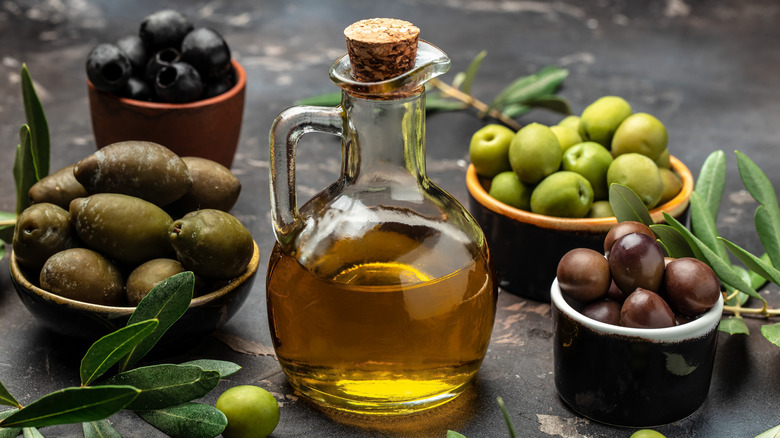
{"type": "Point", "coordinates": [708, 70]}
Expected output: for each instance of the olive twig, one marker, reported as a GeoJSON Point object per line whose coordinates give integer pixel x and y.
{"type": "Point", "coordinates": [468, 99]}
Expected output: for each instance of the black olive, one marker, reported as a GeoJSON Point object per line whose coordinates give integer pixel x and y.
{"type": "Point", "coordinates": [158, 61]}
{"type": "Point", "coordinates": [108, 68]}
{"type": "Point", "coordinates": [219, 85]}
{"type": "Point", "coordinates": [165, 28]}
{"type": "Point", "coordinates": [178, 83]}
{"type": "Point", "coordinates": [133, 47]}
{"type": "Point", "coordinates": [207, 51]}
{"type": "Point", "coordinates": [137, 89]}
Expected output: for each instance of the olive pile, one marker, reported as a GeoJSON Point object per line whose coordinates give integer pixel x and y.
{"type": "Point", "coordinates": [635, 285]}
{"type": "Point", "coordinates": [114, 225]}
{"type": "Point", "coordinates": [169, 60]}
{"type": "Point", "coordinates": [565, 170]}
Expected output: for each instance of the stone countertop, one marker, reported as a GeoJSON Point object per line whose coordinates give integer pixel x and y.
{"type": "Point", "coordinates": [708, 70]}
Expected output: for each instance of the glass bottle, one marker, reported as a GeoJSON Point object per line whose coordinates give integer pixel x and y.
{"type": "Point", "coordinates": [380, 289]}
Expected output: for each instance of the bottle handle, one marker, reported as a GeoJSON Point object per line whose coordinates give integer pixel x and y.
{"type": "Point", "coordinates": [288, 127]}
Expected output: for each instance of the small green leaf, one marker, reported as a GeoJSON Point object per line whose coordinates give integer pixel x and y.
{"type": "Point", "coordinates": [471, 72]}
{"type": "Point", "coordinates": [6, 398]}
{"type": "Point", "coordinates": [166, 385]}
{"type": "Point", "coordinates": [771, 433]}
{"type": "Point", "coordinates": [703, 226]}
{"type": "Point", "coordinates": [7, 223]}
{"type": "Point", "coordinates": [453, 434]}
{"type": "Point", "coordinates": [39, 128]}
{"type": "Point", "coordinates": [166, 302]}
{"type": "Point", "coordinates": [545, 81]}
{"type": "Point", "coordinates": [188, 420]}
{"type": "Point", "coordinates": [741, 297]}
{"type": "Point", "coordinates": [756, 181]}
{"type": "Point", "coordinates": [31, 432]}
{"type": "Point", "coordinates": [772, 333]}
{"type": "Point", "coordinates": [9, 432]}
{"type": "Point", "coordinates": [722, 269]}
{"type": "Point", "coordinates": [326, 99]}
{"type": "Point", "coordinates": [109, 349]}
{"type": "Point", "coordinates": [515, 110]}
{"type": "Point", "coordinates": [768, 228]}
{"type": "Point", "coordinates": [627, 206]}
{"type": "Point", "coordinates": [672, 240]}
{"type": "Point", "coordinates": [711, 181]}
{"type": "Point", "coordinates": [507, 419]}
{"type": "Point", "coordinates": [756, 280]}
{"type": "Point", "coordinates": [73, 405]}
{"type": "Point", "coordinates": [754, 263]}
{"type": "Point", "coordinates": [99, 429]}
{"type": "Point", "coordinates": [551, 102]}
{"type": "Point", "coordinates": [734, 325]}
{"type": "Point", "coordinates": [435, 102]}
{"type": "Point", "coordinates": [24, 169]}
{"type": "Point", "coordinates": [223, 367]}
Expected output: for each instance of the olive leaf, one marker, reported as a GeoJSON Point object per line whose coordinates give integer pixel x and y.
{"type": "Point", "coordinates": [627, 206]}
{"type": "Point", "coordinates": [761, 267]}
{"type": "Point", "coordinates": [31, 432]}
{"type": "Point", "coordinates": [7, 222]}
{"type": "Point", "coordinates": [703, 226]}
{"type": "Point", "coordinates": [527, 88]}
{"type": "Point", "coordinates": [188, 420]}
{"type": "Point", "coordinates": [771, 433]}
{"type": "Point", "coordinates": [9, 432]}
{"type": "Point", "coordinates": [734, 325]}
{"type": "Point", "coordinates": [99, 429]}
{"type": "Point", "coordinates": [507, 419]}
{"type": "Point", "coordinates": [166, 302]}
{"type": "Point", "coordinates": [39, 128]}
{"type": "Point", "coordinates": [466, 80]}
{"type": "Point", "coordinates": [672, 241]}
{"type": "Point", "coordinates": [165, 385]}
{"type": "Point", "coordinates": [326, 99]}
{"type": "Point", "coordinates": [453, 434]}
{"type": "Point", "coordinates": [24, 168]}
{"type": "Point", "coordinates": [722, 269]}
{"type": "Point", "coordinates": [772, 333]}
{"type": "Point", "coordinates": [223, 367]}
{"type": "Point", "coordinates": [109, 349]}
{"type": "Point", "coordinates": [72, 405]}
{"type": "Point", "coordinates": [6, 398]}
{"type": "Point", "coordinates": [712, 181]}
{"type": "Point", "coordinates": [767, 216]}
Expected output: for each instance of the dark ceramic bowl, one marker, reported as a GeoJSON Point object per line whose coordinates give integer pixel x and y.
{"type": "Point", "coordinates": [79, 319]}
{"type": "Point", "coordinates": [208, 128]}
{"type": "Point", "coordinates": [628, 376]}
{"type": "Point", "coordinates": [526, 247]}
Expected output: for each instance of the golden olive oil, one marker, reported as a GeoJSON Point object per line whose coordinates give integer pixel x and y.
{"type": "Point", "coordinates": [378, 329]}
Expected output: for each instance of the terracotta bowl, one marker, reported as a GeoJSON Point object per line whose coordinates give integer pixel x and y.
{"type": "Point", "coordinates": [526, 247]}
{"type": "Point", "coordinates": [79, 319]}
{"type": "Point", "coordinates": [208, 128]}
{"type": "Point", "coordinates": [627, 376]}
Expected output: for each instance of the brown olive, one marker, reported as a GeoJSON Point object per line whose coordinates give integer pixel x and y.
{"type": "Point", "coordinates": [691, 286]}
{"type": "Point", "coordinates": [621, 229]}
{"type": "Point", "coordinates": [606, 311]}
{"type": "Point", "coordinates": [583, 275]}
{"type": "Point", "coordinates": [615, 294]}
{"type": "Point", "coordinates": [646, 309]}
{"type": "Point", "coordinates": [636, 260]}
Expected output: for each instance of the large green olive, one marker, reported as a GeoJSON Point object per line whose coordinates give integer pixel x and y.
{"type": "Point", "coordinates": [58, 188]}
{"type": "Point", "coordinates": [212, 243]}
{"type": "Point", "coordinates": [125, 228]}
{"type": "Point", "coordinates": [41, 230]}
{"type": "Point", "coordinates": [213, 186]}
{"type": "Point", "coordinates": [148, 275]}
{"type": "Point", "coordinates": [83, 275]}
{"type": "Point", "coordinates": [137, 168]}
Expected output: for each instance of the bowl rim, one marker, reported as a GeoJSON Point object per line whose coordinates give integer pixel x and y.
{"type": "Point", "coordinates": [19, 277]}
{"type": "Point", "coordinates": [691, 330]}
{"type": "Point", "coordinates": [239, 86]}
{"type": "Point", "coordinates": [674, 206]}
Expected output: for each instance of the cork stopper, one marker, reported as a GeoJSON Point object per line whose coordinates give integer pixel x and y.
{"type": "Point", "coordinates": [381, 48]}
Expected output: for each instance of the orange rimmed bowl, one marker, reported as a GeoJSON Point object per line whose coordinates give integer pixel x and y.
{"type": "Point", "coordinates": [208, 128]}
{"type": "Point", "coordinates": [79, 319]}
{"type": "Point", "coordinates": [526, 247]}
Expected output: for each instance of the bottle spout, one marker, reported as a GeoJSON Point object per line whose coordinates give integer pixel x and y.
{"type": "Point", "coordinates": [430, 62]}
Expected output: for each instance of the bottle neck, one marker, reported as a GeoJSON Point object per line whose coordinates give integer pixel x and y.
{"type": "Point", "coordinates": [384, 140]}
